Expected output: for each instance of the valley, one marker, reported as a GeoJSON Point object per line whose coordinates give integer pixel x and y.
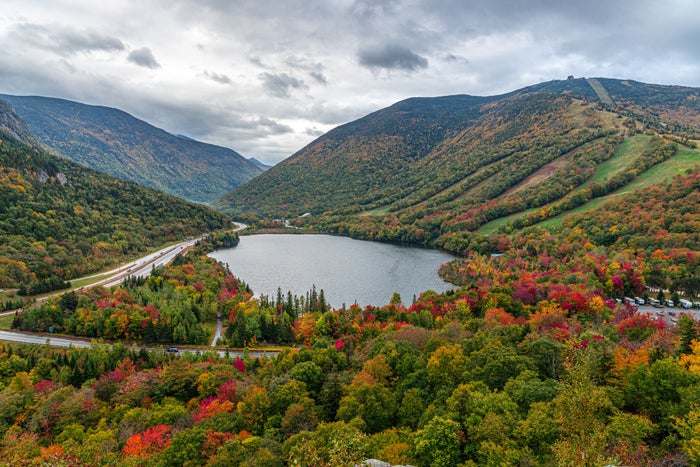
{"type": "Point", "coordinates": [559, 203]}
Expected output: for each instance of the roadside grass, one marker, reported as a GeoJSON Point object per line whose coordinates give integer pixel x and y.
{"type": "Point", "coordinates": [6, 321]}
{"type": "Point", "coordinates": [82, 282]}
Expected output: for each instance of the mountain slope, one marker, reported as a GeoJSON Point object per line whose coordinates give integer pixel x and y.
{"type": "Point", "coordinates": [118, 144]}
{"type": "Point", "coordinates": [59, 220]}
{"type": "Point", "coordinates": [432, 168]}
{"type": "Point", "coordinates": [259, 164]}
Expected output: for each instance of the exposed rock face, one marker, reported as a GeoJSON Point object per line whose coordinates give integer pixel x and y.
{"type": "Point", "coordinates": [14, 126]}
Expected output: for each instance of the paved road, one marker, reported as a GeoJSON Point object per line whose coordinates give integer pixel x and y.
{"type": "Point", "coordinates": [141, 267]}
{"type": "Point", "coordinates": [29, 338]}
{"type": "Point", "coordinates": [55, 341]}
{"type": "Point", "coordinates": [219, 329]}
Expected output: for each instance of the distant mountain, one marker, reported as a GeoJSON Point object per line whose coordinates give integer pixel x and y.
{"type": "Point", "coordinates": [60, 220]}
{"type": "Point", "coordinates": [431, 169]}
{"type": "Point", "coordinates": [116, 143]}
{"type": "Point", "coordinates": [259, 164]}
{"type": "Point", "coordinates": [14, 126]}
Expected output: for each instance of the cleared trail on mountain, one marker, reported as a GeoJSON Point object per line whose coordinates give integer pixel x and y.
{"type": "Point", "coordinates": [600, 90]}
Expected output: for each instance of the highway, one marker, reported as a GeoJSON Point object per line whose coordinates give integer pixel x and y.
{"type": "Point", "coordinates": [141, 267]}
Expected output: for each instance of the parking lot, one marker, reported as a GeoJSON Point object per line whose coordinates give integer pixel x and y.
{"type": "Point", "coordinates": [669, 314]}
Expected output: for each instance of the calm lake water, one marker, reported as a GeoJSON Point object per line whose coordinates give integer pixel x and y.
{"type": "Point", "coordinates": [347, 270]}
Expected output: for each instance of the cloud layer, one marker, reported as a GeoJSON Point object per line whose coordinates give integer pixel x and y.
{"type": "Point", "coordinates": [265, 78]}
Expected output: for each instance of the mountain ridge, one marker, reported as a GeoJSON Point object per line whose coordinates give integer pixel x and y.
{"type": "Point", "coordinates": [424, 168]}
{"type": "Point", "coordinates": [117, 143]}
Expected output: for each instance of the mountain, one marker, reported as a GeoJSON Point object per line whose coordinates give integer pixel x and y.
{"type": "Point", "coordinates": [116, 143]}
{"type": "Point", "coordinates": [432, 169]}
{"type": "Point", "coordinates": [259, 164]}
{"type": "Point", "coordinates": [60, 220]}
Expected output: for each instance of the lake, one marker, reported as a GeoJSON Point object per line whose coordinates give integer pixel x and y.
{"type": "Point", "coordinates": [347, 270]}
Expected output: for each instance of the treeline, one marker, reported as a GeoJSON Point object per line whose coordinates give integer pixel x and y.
{"type": "Point", "coordinates": [42, 286]}
{"type": "Point", "coordinates": [271, 321]}
{"type": "Point", "coordinates": [219, 240]}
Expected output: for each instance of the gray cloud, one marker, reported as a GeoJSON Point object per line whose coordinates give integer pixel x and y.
{"type": "Point", "coordinates": [143, 57]}
{"type": "Point", "coordinates": [279, 84]}
{"type": "Point", "coordinates": [65, 40]}
{"type": "Point", "coordinates": [371, 8]}
{"type": "Point", "coordinates": [319, 77]}
{"type": "Point", "coordinates": [274, 127]}
{"type": "Point", "coordinates": [257, 61]}
{"type": "Point", "coordinates": [455, 58]}
{"type": "Point", "coordinates": [219, 78]}
{"type": "Point", "coordinates": [391, 57]}
{"type": "Point", "coordinates": [314, 132]}
{"type": "Point", "coordinates": [64, 48]}
{"type": "Point", "coordinates": [314, 69]}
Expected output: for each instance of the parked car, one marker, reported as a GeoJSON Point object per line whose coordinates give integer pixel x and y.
{"type": "Point", "coordinates": [669, 302]}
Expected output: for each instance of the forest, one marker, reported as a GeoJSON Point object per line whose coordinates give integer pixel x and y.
{"type": "Point", "coordinates": [530, 360]}
{"type": "Point", "coordinates": [60, 221]}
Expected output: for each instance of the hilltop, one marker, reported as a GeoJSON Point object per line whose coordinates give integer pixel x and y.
{"type": "Point", "coordinates": [116, 143]}
{"type": "Point", "coordinates": [429, 170]}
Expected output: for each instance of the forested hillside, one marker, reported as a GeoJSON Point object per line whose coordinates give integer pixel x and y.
{"type": "Point", "coordinates": [426, 169]}
{"type": "Point", "coordinates": [59, 220]}
{"type": "Point", "coordinates": [118, 144]}
{"type": "Point", "coordinates": [530, 361]}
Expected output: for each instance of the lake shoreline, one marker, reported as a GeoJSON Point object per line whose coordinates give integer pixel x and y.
{"type": "Point", "coordinates": [348, 270]}
{"type": "Point", "coordinates": [303, 231]}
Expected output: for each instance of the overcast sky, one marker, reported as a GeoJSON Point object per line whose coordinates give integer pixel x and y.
{"type": "Point", "coordinates": [266, 77]}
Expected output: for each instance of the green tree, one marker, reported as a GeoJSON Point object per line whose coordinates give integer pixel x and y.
{"type": "Point", "coordinates": [447, 365]}
{"type": "Point", "coordinates": [337, 444]}
{"type": "Point", "coordinates": [185, 449]}
{"type": "Point", "coordinates": [582, 410]}
{"type": "Point", "coordinates": [411, 408]}
{"type": "Point", "coordinates": [438, 444]}
{"type": "Point", "coordinates": [372, 402]}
